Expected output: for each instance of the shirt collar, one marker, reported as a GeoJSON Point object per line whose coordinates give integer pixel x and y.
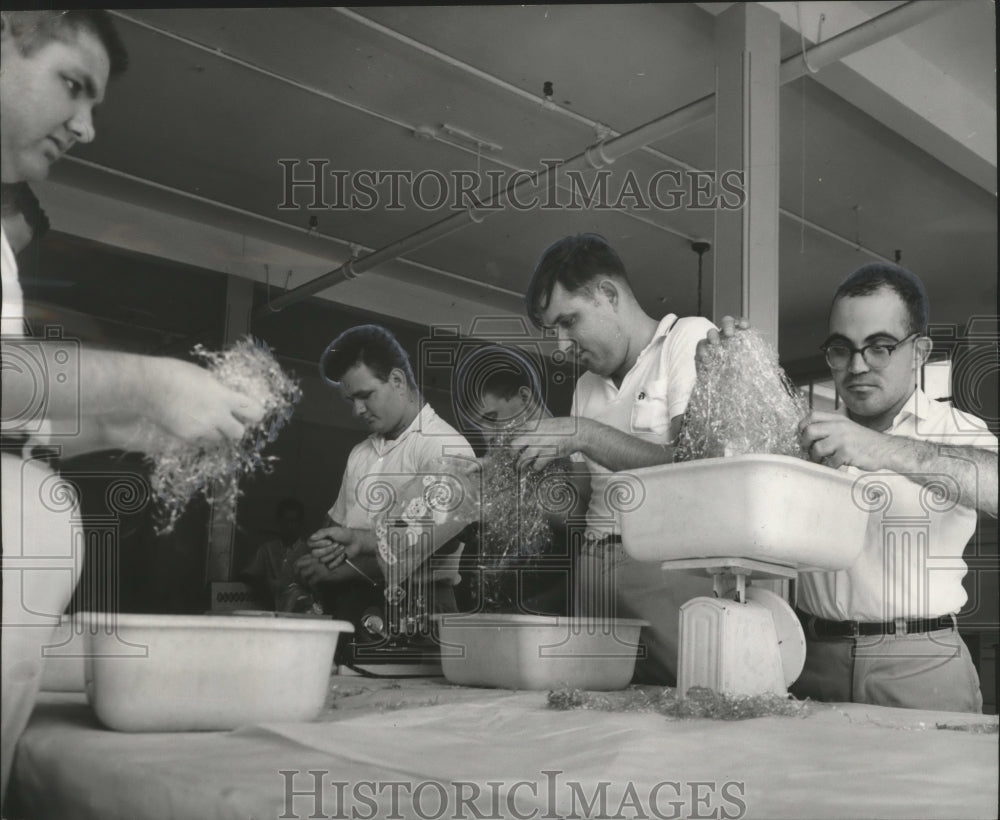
{"type": "Point", "coordinates": [919, 405]}
{"type": "Point", "coordinates": [662, 329]}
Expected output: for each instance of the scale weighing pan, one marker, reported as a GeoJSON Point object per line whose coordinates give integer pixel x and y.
{"type": "Point", "coordinates": [778, 510]}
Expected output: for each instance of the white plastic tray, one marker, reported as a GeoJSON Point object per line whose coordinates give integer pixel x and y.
{"type": "Point", "coordinates": [538, 652]}
{"type": "Point", "coordinates": [161, 673]}
{"type": "Point", "coordinates": [777, 509]}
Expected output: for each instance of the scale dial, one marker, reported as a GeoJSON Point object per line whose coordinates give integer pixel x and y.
{"type": "Point", "coordinates": [787, 628]}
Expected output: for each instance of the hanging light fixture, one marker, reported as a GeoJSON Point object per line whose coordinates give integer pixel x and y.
{"type": "Point", "coordinates": [700, 247]}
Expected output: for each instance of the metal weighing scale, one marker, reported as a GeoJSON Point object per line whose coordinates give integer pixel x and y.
{"type": "Point", "coordinates": [743, 519]}
{"type": "Point", "coordinates": [746, 640]}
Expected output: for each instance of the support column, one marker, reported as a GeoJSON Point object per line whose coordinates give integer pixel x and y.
{"type": "Point", "coordinates": [745, 251]}
{"type": "Point", "coordinates": [221, 530]}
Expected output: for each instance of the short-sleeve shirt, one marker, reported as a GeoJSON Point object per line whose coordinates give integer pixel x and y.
{"type": "Point", "coordinates": [12, 316]}
{"type": "Point", "coordinates": [911, 565]}
{"type": "Point", "coordinates": [653, 392]}
{"type": "Point", "coordinates": [395, 462]}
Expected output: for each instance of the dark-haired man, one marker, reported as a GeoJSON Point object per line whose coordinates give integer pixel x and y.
{"type": "Point", "coordinates": [407, 440]}
{"type": "Point", "coordinates": [54, 70]}
{"type": "Point", "coordinates": [502, 391]}
{"type": "Point", "coordinates": [627, 412]}
{"type": "Point", "coordinates": [883, 631]}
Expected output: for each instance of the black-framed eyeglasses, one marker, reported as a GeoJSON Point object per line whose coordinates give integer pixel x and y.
{"type": "Point", "coordinates": [876, 355]}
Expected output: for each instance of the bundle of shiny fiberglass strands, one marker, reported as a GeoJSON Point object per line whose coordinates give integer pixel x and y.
{"type": "Point", "coordinates": [181, 470]}
{"type": "Point", "coordinates": [514, 530]}
{"type": "Point", "coordinates": [742, 403]}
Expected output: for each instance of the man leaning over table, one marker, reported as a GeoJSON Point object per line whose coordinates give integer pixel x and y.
{"type": "Point", "coordinates": [54, 70]}
{"type": "Point", "coordinates": [884, 630]}
{"type": "Point", "coordinates": [407, 440]}
{"type": "Point", "coordinates": [626, 413]}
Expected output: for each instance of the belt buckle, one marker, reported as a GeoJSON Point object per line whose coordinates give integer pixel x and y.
{"type": "Point", "coordinates": [900, 626]}
{"type": "Point", "coordinates": [855, 629]}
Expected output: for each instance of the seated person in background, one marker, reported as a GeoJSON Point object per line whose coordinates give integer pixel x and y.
{"type": "Point", "coordinates": [884, 631]}
{"type": "Point", "coordinates": [407, 440]}
{"type": "Point", "coordinates": [499, 392]}
{"type": "Point", "coordinates": [270, 574]}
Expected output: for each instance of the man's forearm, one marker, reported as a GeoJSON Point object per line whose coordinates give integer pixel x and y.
{"type": "Point", "coordinates": [970, 472]}
{"type": "Point", "coordinates": [615, 450]}
{"type": "Point", "coordinates": [95, 382]}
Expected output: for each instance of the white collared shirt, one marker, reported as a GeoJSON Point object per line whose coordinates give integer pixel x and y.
{"type": "Point", "coordinates": [911, 565]}
{"type": "Point", "coordinates": [378, 468]}
{"type": "Point", "coordinates": [12, 316]}
{"type": "Point", "coordinates": [654, 391]}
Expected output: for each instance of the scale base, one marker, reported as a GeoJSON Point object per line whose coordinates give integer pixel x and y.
{"type": "Point", "coordinates": [729, 647]}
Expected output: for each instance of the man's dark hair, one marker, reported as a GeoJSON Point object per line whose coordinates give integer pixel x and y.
{"type": "Point", "coordinates": [33, 29]}
{"type": "Point", "coordinates": [370, 345]}
{"type": "Point", "coordinates": [573, 262]}
{"type": "Point", "coordinates": [870, 278]}
{"type": "Point", "coordinates": [290, 505]}
{"type": "Point", "coordinates": [494, 369]}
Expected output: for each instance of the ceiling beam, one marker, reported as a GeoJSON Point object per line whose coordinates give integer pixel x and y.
{"type": "Point", "coordinates": [605, 151]}
{"type": "Point", "coordinates": [901, 88]}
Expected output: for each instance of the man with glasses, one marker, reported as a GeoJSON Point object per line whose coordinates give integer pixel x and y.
{"type": "Point", "coordinates": [884, 631]}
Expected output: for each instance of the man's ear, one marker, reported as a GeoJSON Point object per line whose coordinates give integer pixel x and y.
{"type": "Point", "coordinates": [398, 378]}
{"type": "Point", "coordinates": [609, 288]}
{"type": "Point", "coordinates": [525, 393]}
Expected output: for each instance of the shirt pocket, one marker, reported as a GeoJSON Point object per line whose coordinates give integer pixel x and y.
{"type": "Point", "coordinates": [650, 416]}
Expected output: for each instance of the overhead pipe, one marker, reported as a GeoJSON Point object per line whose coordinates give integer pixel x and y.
{"type": "Point", "coordinates": [577, 117]}
{"type": "Point", "coordinates": [370, 112]}
{"type": "Point", "coordinates": [606, 152]}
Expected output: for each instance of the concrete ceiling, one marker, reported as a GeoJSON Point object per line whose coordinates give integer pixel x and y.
{"type": "Point", "coordinates": [893, 149]}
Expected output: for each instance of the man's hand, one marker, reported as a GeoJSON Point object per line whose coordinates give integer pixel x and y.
{"type": "Point", "coordinates": [728, 327]}
{"type": "Point", "coordinates": [835, 441]}
{"type": "Point", "coordinates": [310, 571]}
{"type": "Point", "coordinates": [552, 439]}
{"type": "Point", "coordinates": [333, 545]}
{"type": "Point", "coordinates": [189, 403]}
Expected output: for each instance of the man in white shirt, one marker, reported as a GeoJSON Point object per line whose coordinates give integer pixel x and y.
{"type": "Point", "coordinates": [54, 70]}
{"type": "Point", "coordinates": [884, 631]}
{"type": "Point", "coordinates": [627, 411]}
{"type": "Point", "coordinates": [408, 441]}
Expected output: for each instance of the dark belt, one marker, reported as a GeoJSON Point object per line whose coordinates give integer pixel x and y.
{"type": "Point", "coordinates": [816, 627]}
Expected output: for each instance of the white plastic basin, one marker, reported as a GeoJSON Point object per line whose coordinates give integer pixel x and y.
{"type": "Point", "coordinates": [778, 509]}
{"type": "Point", "coordinates": [170, 673]}
{"type": "Point", "coordinates": [538, 652]}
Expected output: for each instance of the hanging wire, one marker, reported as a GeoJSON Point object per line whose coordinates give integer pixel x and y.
{"type": "Point", "coordinates": [802, 123]}
{"type": "Point", "coordinates": [802, 37]}
{"type": "Point", "coordinates": [267, 284]}
{"type": "Point", "coordinates": [802, 170]}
